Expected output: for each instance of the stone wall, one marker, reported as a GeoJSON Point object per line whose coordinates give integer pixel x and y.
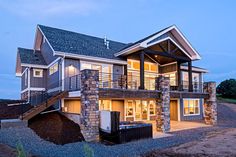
{"type": "Point", "coordinates": [210, 105]}
{"type": "Point", "coordinates": [89, 104]}
{"type": "Point", "coordinates": [163, 104]}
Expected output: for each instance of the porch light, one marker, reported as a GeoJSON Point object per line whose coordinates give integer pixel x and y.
{"type": "Point", "coordinates": [156, 56]}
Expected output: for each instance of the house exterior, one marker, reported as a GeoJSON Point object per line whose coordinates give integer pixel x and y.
{"type": "Point", "coordinates": [127, 73]}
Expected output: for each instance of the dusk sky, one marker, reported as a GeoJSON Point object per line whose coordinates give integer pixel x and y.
{"type": "Point", "coordinates": [209, 25]}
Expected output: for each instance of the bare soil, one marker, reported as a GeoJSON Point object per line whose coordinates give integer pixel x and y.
{"type": "Point", "coordinates": [56, 128]}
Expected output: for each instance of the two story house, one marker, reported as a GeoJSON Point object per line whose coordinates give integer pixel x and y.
{"type": "Point", "coordinates": [127, 72]}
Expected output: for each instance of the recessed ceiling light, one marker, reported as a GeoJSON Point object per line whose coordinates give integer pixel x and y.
{"type": "Point", "coordinates": [155, 55]}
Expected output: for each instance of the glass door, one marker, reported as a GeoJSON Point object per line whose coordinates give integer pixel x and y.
{"type": "Point", "coordinates": [144, 110]}
{"type": "Point", "coordinates": [138, 110]}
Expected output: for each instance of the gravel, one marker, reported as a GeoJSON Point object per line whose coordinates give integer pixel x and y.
{"type": "Point", "coordinates": [33, 144]}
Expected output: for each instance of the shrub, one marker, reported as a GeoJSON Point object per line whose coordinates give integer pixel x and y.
{"type": "Point", "coordinates": [227, 88]}
{"type": "Point", "coordinates": [88, 151]}
{"type": "Point", "coordinates": [20, 150]}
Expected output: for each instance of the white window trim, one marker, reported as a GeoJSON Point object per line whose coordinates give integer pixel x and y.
{"type": "Point", "coordinates": [39, 70]}
{"type": "Point", "coordinates": [186, 115]}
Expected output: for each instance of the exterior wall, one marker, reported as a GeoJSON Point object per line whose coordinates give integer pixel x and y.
{"type": "Point", "coordinates": [168, 68]}
{"type": "Point", "coordinates": [53, 81]}
{"type": "Point", "coordinates": [191, 117]}
{"type": "Point", "coordinates": [24, 83]}
{"type": "Point", "coordinates": [24, 96]}
{"type": "Point", "coordinates": [47, 52]}
{"type": "Point", "coordinates": [71, 68]}
{"type": "Point", "coordinates": [38, 82]}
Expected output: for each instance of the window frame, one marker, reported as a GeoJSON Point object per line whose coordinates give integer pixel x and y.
{"type": "Point", "coordinates": [38, 70]}
{"type": "Point", "coordinates": [195, 114]}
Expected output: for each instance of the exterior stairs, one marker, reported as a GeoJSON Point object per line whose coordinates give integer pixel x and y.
{"type": "Point", "coordinates": [43, 106]}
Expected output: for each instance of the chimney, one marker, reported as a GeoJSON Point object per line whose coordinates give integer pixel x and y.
{"type": "Point", "coordinates": [106, 42]}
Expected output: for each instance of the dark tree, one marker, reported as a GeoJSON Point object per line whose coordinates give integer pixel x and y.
{"type": "Point", "coordinates": [227, 88]}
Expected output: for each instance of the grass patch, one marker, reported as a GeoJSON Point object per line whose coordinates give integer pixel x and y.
{"type": "Point", "coordinates": [228, 100]}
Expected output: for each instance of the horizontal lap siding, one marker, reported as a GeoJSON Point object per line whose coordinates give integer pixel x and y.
{"type": "Point", "coordinates": [68, 73]}
{"type": "Point", "coordinates": [192, 117]}
{"type": "Point", "coordinates": [38, 82]}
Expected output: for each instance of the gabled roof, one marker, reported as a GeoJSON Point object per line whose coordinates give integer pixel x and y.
{"type": "Point", "coordinates": [29, 56]}
{"type": "Point", "coordinates": [175, 36]}
{"type": "Point", "coordinates": [81, 44]}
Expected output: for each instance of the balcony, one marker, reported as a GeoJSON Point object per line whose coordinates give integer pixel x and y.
{"type": "Point", "coordinates": [129, 82]}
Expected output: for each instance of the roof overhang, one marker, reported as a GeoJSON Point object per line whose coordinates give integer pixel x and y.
{"type": "Point", "coordinates": [90, 58]}
{"type": "Point", "coordinates": [196, 69]}
{"type": "Point", "coordinates": [183, 44]}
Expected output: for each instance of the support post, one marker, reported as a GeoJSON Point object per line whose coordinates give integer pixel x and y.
{"type": "Point", "coordinates": [210, 105]}
{"type": "Point", "coordinates": [89, 104]}
{"type": "Point", "coordinates": [180, 86]}
{"type": "Point", "coordinates": [141, 70]}
{"type": "Point", "coordinates": [163, 104]}
{"type": "Point", "coordinates": [190, 76]}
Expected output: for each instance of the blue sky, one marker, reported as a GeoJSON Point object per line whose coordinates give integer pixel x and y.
{"type": "Point", "coordinates": [209, 26]}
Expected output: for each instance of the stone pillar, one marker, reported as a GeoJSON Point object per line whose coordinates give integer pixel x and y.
{"type": "Point", "coordinates": [163, 104]}
{"type": "Point", "coordinates": [210, 105]}
{"type": "Point", "coordinates": [89, 104]}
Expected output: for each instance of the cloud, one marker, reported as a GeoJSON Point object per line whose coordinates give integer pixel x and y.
{"type": "Point", "coordinates": [50, 8]}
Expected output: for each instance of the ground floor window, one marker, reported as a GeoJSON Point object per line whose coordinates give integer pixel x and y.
{"type": "Point", "coordinates": [191, 107]}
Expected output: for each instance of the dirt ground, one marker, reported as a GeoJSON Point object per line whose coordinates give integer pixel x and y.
{"type": "Point", "coordinates": [215, 144]}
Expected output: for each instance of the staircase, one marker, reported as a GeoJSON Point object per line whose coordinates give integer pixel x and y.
{"type": "Point", "coordinates": [43, 106]}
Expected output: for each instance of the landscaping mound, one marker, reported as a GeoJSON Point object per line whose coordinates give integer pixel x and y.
{"type": "Point", "coordinates": [56, 128]}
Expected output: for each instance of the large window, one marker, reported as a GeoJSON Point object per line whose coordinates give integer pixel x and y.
{"type": "Point", "coordinates": [191, 107]}
{"type": "Point", "coordinates": [53, 69]}
{"type": "Point", "coordinates": [72, 106]}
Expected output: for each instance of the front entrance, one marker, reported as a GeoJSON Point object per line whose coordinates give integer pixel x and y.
{"type": "Point", "coordinates": [174, 110]}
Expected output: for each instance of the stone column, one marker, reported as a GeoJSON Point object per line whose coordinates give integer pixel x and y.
{"type": "Point", "coordinates": [163, 104]}
{"type": "Point", "coordinates": [89, 104]}
{"type": "Point", "coordinates": [210, 105]}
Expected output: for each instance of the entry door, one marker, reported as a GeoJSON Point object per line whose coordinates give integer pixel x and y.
{"type": "Point", "coordinates": [174, 110]}
{"type": "Point", "coordinates": [144, 110]}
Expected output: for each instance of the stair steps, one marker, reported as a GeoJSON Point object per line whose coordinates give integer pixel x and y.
{"type": "Point", "coordinates": [43, 106]}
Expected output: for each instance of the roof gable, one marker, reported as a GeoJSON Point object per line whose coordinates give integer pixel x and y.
{"type": "Point", "coordinates": [172, 33]}
{"type": "Point", "coordinates": [29, 56]}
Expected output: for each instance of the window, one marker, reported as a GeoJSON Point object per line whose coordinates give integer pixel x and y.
{"type": "Point", "coordinates": [172, 77]}
{"type": "Point", "coordinates": [105, 105]}
{"type": "Point", "coordinates": [148, 66]}
{"type": "Point", "coordinates": [38, 72]}
{"type": "Point", "coordinates": [191, 107]}
{"type": "Point", "coordinates": [53, 69]}
{"type": "Point", "coordinates": [151, 108]}
{"type": "Point", "coordinates": [129, 109]}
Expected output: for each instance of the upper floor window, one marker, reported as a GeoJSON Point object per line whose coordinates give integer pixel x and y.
{"type": "Point", "coordinates": [191, 107]}
{"type": "Point", "coordinates": [53, 69]}
{"type": "Point", "coordinates": [26, 77]}
{"type": "Point", "coordinates": [172, 77]}
{"type": "Point", "coordinates": [148, 66]}
{"type": "Point", "coordinates": [37, 72]}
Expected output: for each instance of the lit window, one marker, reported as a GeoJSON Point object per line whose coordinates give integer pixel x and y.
{"type": "Point", "coordinates": [129, 109]}
{"type": "Point", "coordinates": [136, 65]}
{"type": "Point", "coordinates": [172, 78]}
{"type": "Point", "coordinates": [191, 107]}
{"type": "Point", "coordinates": [151, 108]}
{"type": "Point", "coordinates": [153, 68]}
{"type": "Point", "coordinates": [146, 66]}
{"type": "Point", "coordinates": [53, 69]}
{"type": "Point", "coordinates": [38, 72]}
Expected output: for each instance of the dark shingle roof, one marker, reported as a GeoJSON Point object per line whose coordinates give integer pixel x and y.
{"type": "Point", "coordinates": [141, 40]}
{"type": "Point", "coordinates": [81, 44]}
{"type": "Point", "coordinates": [29, 56]}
